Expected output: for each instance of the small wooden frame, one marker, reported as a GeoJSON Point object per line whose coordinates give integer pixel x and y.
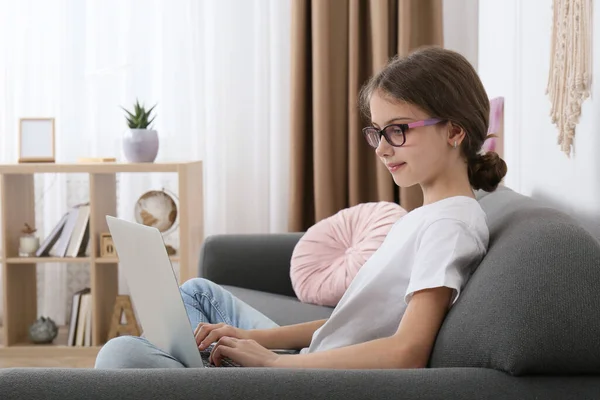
{"type": "Point", "coordinates": [123, 305]}
{"type": "Point", "coordinates": [107, 246]}
{"type": "Point", "coordinates": [36, 140]}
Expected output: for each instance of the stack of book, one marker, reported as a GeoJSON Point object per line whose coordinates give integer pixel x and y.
{"type": "Point", "coordinates": [70, 237]}
{"type": "Point", "coordinates": [80, 327]}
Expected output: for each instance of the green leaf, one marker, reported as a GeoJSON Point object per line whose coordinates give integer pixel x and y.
{"type": "Point", "coordinates": [139, 118]}
{"type": "Point", "coordinates": [129, 113]}
{"type": "Point", "coordinates": [151, 120]}
{"type": "Point", "coordinates": [139, 109]}
{"type": "Point", "coordinates": [150, 110]}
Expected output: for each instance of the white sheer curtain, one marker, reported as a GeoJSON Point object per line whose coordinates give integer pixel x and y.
{"type": "Point", "coordinates": [218, 70]}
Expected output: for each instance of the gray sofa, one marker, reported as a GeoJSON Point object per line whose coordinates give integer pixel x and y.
{"type": "Point", "coordinates": [527, 325]}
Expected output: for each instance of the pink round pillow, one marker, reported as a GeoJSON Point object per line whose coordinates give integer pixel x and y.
{"type": "Point", "coordinates": [331, 252]}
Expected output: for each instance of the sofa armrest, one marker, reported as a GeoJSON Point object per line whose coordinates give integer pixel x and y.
{"type": "Point", "coordinates": [299, 384]}
{"type": "Point", "coordinates": [251, 261]}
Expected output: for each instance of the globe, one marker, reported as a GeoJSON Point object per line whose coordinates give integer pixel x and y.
{"type": "Point", "coordinates": [157, 209]}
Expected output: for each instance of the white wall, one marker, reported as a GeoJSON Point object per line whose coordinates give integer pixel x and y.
{"type": "Point", "coordinates": [514, 51]}
{"type": "Point", "coordinates": [460, 27]}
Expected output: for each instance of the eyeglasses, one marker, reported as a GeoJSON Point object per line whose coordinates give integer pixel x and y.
{"type": "Point", "coordinates": [394, 134]}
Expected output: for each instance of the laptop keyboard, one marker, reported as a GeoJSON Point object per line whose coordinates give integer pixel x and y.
{"type": "Point", "coordinates": [225, 362]}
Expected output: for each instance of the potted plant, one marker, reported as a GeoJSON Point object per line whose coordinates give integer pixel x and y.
{"type": "Point", "coordinates": [28, 243]}
{"type": "Point", "coordinates": [141, 141]}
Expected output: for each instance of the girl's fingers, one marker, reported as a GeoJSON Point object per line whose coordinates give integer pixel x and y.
{"type": "Point", "coordinates": [203, 329]}
{"type": "Point", "coordinates": [221, 349]}
{"type": "Point", "coordinates": [200, 325]}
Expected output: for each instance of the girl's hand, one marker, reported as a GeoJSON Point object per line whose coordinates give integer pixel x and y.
{"type": "Point", "coordinates": [206, 334]}
{"type": "Point", "coordinates": [244, 352]}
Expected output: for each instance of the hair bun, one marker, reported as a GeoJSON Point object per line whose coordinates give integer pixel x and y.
{"type": "Point", "coordinates": [486, 171]}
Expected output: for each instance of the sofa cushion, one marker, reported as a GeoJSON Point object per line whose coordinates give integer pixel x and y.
{"type": "Point", "coordinates": [533, 304]}
{"type": "Point", "coordinates": [331, 252]}
{"type": "Point", "coordinates": [283, 310]}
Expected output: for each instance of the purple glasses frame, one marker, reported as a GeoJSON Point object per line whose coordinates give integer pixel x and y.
{"type": "Point", "coordinates": [373, 135]}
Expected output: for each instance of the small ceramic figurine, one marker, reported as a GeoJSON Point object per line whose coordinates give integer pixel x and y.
{"type": "Point", "coordinates": [43, 331]}
{"type": "Point", "coordinates": [28, 243]}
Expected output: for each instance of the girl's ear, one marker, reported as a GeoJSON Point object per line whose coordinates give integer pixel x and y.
{"type": "Point", "coordinates": [455, 134]}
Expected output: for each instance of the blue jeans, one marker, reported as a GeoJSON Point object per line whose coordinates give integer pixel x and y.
{"type": "Point", "coordinates": [204, 301]}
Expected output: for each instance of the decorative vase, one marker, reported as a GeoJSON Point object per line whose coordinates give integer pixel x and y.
{"type": "Point", "coordinates": [43, 331]}
{"type": "Point", "coordinates": [140, 145]}
{"type": "Point", "coordinates": [28, 245]}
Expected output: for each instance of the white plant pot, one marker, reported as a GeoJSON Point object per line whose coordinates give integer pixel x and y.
{"type": "Point", "coordinates": [28, 245]}
{"type": "Point", "coordinates": [140, 145]}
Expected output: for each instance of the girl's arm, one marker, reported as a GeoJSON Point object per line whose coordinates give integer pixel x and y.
{"type": "Point", "coordinates": [295, 336]}
{"type": "Point", "coordinates": [409, 347]}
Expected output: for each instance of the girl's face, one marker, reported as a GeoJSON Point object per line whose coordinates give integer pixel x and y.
{"type": "Point", "coordinates": [425, 155]}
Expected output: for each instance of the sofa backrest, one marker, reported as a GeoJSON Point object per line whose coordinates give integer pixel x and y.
{"type": "Point", "coordinates": [533, 304]}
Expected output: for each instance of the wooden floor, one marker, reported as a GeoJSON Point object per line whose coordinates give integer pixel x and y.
{"type": "Point", "coordinates": [47, 356]}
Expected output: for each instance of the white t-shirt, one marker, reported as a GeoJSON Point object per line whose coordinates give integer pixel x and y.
{"type": "Point", "coordinates": [438, 244]}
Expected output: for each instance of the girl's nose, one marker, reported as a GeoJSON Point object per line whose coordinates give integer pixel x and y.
{"type": "Point", "coordinates": [384, 149]}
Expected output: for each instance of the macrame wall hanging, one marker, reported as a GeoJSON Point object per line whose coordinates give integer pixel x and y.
{"type": "Point", "coordinates": [570, 66]}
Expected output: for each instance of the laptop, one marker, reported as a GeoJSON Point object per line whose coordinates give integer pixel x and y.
{"type": "Point", "coordinates": [155, 292]}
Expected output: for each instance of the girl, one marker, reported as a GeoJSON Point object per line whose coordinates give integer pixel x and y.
{"type": "Point", "coordinates": [429, 118]}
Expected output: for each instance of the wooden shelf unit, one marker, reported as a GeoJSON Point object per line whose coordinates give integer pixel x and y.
{"type": "Point", "coordinates": [45, 260]}
{"type": "Point", "coordinates": [58, 349]}
{"type": "Point", "coordinates": [19, 274]}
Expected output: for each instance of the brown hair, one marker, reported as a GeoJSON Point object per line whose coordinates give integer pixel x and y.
{"type": "Point", "coordinates": [444, 84]}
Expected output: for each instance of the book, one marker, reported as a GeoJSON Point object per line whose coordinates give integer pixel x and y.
{"type": "Point", "coordinates": [62, 244]}
{"type": "Point", "coordinates": [60, 247]}
{"type": "Point", "coordinates": [79, 232]}
{"type": "Point", "coordinates": [74, 315]}
{"type": "Point", "coordinates": [96, 159]}
{"type": "Point", "coordinates": [52, 237]}
{"type": "Point", "coordinates": [88, 247]}
{"type": "Point", "coordinates": [84, 309]}
{"type": "Point", "coordinates": [87, 340]}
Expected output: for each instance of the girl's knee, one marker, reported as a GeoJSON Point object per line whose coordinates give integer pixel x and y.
{"type": "Point", "coordinates": [198, 285]}
{"type": "Point", "coordinates": [133, 352]}
{"type": "Point", "coordinates": [121, 343]}
{"type": "Point", "coordinates": [122, 352]}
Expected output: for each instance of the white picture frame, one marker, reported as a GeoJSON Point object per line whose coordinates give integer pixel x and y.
{"type": "Point", "coordinates": [36, 140]}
